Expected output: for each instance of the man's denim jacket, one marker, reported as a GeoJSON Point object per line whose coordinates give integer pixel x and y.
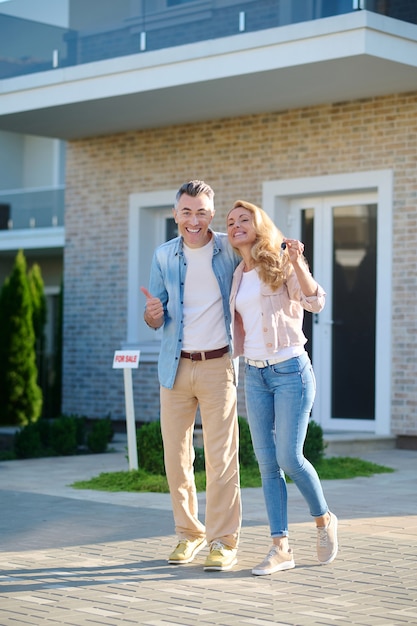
{"type": "Point", "coordinates": [167, 283]}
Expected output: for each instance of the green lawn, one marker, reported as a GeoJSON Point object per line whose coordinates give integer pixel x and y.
{"type": "Point", "coordinates": [139, 480]}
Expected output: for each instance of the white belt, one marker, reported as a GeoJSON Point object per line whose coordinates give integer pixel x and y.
{"type": "Point", "coordinates": [259, 363]}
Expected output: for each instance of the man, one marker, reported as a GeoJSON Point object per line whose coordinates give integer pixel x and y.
{"type": "Point", "coordinates": [189, 296]}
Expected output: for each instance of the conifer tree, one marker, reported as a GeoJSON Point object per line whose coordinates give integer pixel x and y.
{"type": "Point", "coordinates": [20, 395]}
{"type": "Point", "coordinates": [39, 314]}
{"type": "Point", "coordinates": [57, 382]}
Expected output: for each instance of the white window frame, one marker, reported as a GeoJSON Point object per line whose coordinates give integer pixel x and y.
{"type": "Point", "coordinates": [146, 230]}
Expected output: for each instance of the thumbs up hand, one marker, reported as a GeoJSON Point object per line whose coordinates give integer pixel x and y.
{"type": "Point", "coordinates": [154, 312]}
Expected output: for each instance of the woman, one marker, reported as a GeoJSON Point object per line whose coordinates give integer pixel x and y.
{"type": "Point", "coordinates": [271, 288]}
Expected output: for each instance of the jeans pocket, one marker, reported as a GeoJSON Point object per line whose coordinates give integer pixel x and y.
{"type": "Point", "coordinates": [291, 366]}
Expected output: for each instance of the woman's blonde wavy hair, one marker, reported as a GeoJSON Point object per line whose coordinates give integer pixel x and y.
{"type": "Point", "coordinates": [273, 267]}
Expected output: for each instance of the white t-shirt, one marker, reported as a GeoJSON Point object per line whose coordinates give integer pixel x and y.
{"type": "Point", "coordinates": [204, 327]}
{"type": "Point", "coordinates": [248, 305]}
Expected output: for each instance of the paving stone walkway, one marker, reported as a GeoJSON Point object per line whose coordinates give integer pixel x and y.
{"type": "Point", "coordinates": [84, 558]}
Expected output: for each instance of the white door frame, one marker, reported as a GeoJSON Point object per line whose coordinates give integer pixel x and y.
{"type": "Point", "coordinates": [322, 329]}
{"type": "Point", "coordinates": [277, 198]}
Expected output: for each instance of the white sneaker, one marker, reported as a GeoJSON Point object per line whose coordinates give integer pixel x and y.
{"type": "Point", "coordinates": [275, 561]}
{"type": "Point", "coordinates": [327, 545]}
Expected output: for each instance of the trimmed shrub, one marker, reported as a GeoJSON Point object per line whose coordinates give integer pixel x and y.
{"type": "Point", "coordinates": [314, 446]}
{"type": "Point", "coordinates": [27, 442]}
{"type": "Point", "coordinates": [246, 454]}
{"type": "Point", "coordinates": [100, 435]}
{"type": "Point", "coordinates": [80, 429]}
{"type": "Point", "coordinates": [56, 437]}
{"type": "Point", "coordinates": [199, 460]}
{"type": "Point", "coordinates": [150, 448]}
{"type": "Point", "coordinates": [63, 436]}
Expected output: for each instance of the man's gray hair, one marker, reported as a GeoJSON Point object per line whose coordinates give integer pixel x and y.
{"type": "Point", "coordinates": [194, 188]}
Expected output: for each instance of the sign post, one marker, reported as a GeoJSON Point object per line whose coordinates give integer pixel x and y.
{"type": "Point", "coordinates": [128, 360]}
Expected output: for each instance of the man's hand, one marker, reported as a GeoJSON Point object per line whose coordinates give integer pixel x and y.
{"type": "Point", "coordinates": [154, 312]}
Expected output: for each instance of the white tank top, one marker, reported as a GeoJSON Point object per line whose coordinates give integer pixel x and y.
{"type": "Point", "coordinates": [248, 305]}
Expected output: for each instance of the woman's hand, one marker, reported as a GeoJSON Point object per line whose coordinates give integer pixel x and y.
{"type": "Point", "coordinates": [295, 252]}
{"type": "Point", "coordinates": [295, 249]}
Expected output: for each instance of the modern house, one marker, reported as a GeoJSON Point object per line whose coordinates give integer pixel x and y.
{"type": "Point", "coordinates": [305, 107]}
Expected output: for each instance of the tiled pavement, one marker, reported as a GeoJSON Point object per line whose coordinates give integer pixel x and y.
{"type": "Point", "coordinates": [78, 558]}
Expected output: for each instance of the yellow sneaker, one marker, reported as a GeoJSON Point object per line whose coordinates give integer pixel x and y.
{"type": "Point", "coordinates": [220, 558]}
{"type": "Point", "coordinates": [185, 551]}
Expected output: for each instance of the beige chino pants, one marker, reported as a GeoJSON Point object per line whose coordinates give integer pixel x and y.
{"type": "Point", "coordinates": [209, 384]}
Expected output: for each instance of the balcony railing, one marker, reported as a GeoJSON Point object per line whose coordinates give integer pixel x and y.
{"type": "Point", "coordinates": [29, 46]}
{"type": "Point", "coordinates": [43, 208]}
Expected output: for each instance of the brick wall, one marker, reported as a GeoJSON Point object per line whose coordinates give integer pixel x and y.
{"type": "Point", "coordinates": [235, 156]}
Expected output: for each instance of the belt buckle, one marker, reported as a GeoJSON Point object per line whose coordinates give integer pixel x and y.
{"type": "Point", "coordinates": [192, 356]}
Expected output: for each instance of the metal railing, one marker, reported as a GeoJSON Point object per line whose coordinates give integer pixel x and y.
{"type": "Point", "coordinates": [41, 208]}
{"type": "Point", "coordinates": [29, 46]}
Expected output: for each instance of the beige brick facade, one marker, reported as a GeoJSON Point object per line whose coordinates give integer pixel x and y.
{"type": "Point", "coordinates": [236, 156]}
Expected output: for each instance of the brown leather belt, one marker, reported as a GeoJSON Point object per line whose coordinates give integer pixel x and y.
{"type": "Point", "coordinates": [203, 356]}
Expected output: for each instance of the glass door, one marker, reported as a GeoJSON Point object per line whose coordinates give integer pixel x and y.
{"type": "Point", "coordinates": [340, 237]}
{"type": "Point", "coordinates": [354, 308]}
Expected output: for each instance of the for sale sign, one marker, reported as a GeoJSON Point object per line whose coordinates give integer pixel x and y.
{"type": "Point", "coordinates": [126, 359]}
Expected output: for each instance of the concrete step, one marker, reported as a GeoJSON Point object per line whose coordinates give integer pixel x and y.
{"type": "Point", "coordinates": [355, 444]}
{"type": "Point", "coordinates": [339, 444]}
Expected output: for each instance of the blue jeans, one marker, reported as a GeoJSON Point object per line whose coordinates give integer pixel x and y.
{"type": "Point", "coordinates": [279, 399]}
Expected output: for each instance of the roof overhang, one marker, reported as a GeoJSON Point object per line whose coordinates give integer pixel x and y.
{"type": "Point", "coordinates": [358, 55]}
